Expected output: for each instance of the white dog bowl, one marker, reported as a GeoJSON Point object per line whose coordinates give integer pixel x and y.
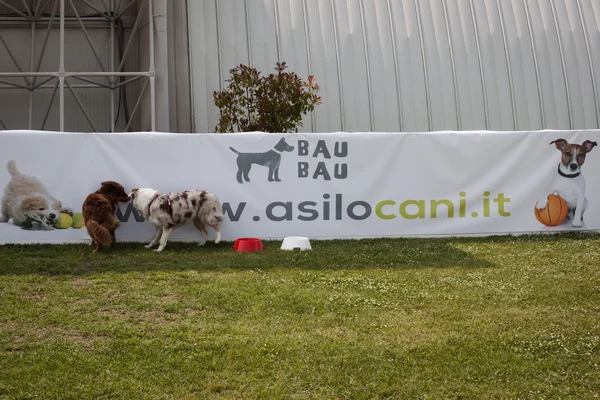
{"type": "Point", "coordinates": [295, 242]}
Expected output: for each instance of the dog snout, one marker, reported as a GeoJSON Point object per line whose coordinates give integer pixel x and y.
{"type": "Point", "coordinates": [573, 166]}
{"type": "Point", "coordinates": [51, 215]}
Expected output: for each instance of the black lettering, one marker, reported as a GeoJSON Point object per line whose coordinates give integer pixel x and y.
{"type": "Point", "coordinates": [343, 174]}
{"type": "Point", "coordinates": [128, 211]}
{"type": "Point", "coordinates": [321, 149]}
{"type": "Point", "coordinates": [285, 217]}
{"type": "Point", "coordinates": [343, 152]}
{"type": "Point", "coordinates": [364, 204]}
{"type": "Point", "coordinates": [302, 147]}
{"type": "Point", "coordinates": [321, 170]}
{"type": "Point", "coordinates": [303, 207]}
{"type": "Point", "coordinates": [302, 169]}
{"type": "Point", "coordinates": [238, 212]}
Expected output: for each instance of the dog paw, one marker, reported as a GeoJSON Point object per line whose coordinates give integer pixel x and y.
{"type": "Point", "coordinates": [4, 219]}
{"type": "Point", "coordinates": [202, 243]}
{"type": "Point", "coordinates": [67, 210]}
{"type": "Point", "coordinates": [158, 250]}
{"type": "Point", "coordinates": [148, 246]}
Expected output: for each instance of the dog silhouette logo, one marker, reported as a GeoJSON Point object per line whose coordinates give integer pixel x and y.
{"type": "Point", "coordinates": [270, 159]}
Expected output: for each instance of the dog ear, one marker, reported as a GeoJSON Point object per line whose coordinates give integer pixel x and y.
{"type": "Point", "coordinates": [107, 185]}
{"type": "Point", "coordinates": [33, 203]}
{"type": "Point", "coordinates": [57, 205]}
{"type": "Point", "coordinates": [588, 145]}
{"type": "Point", "coordinates": [112, 186]}
{"type": "Point", "coordinates": [560, 143]}
{"type": "Point", "coordinates": [133, 194]}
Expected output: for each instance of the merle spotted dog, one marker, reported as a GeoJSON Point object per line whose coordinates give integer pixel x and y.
{"type": "Point", "coordinates": [170, 211]}
{"type": "Point", "coordinates": [270, 159]}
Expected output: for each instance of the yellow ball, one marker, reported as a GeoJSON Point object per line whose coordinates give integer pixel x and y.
{"type": "Point", "coordinates": [64, 221]}
{"type": "Point", "coordinates": [78, 221]}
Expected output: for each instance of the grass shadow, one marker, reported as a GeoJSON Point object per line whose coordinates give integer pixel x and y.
{"type": "Point", "coordinates": [179, 256]}
{"type": "Point", "coordinates": [385, 253]}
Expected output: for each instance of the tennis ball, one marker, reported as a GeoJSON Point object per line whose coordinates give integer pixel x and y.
{"type": "Point", "coordinates": [77, 221]}
{"type": "Point", "coordinates": [64, 221]}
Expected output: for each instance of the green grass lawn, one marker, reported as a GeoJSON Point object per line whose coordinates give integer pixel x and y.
{"type": "Point", "coordinates": [492, 318]}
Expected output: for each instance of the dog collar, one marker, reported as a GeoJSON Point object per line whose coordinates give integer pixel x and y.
{"type": "Point", "coordinates": [567, 175]}
{"type": "Point", "coordinates": [151, 201]}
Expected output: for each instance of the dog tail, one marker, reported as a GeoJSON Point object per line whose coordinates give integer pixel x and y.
{"type": "Point", "coordinates": [99, 233]}
{"type": "Point", "coordinates": [11, 166]}
{"type": "Point", "coordinates": [235, 151]}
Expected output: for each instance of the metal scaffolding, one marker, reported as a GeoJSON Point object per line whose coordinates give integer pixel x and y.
{"type": "Point", "coordinates": [112, 77]}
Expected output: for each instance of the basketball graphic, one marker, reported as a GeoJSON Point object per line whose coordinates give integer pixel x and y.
{"type": "Point", "coordinates": [554, 213]}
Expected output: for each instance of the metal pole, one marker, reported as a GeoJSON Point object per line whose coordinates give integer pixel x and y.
{"type": "Point", "coordinates": [31, 56]}
{"type": "Point", "coordinates": [396, 73]}
{"type": "Point", "coordinates": [338, 63]}
{"type": "Point", "coordinates": [248, 39]}
{"type": "Point", "coordinates": [49, 106]}
{"type": "Point", "coordinates": [83, 73]}
{"type": "Point", "coordinates": [563, 64]}
{"type": "Point", "coordinates": [137, 103]}
{"type": "Point", "coordinates": [535, 64]}
{"type": "Point", "coordinates": [219, 55]}
{"type": "Point", "coordinates": [367, 66]}
{"type": "Point", "coordinates": [190, 63]}
{"type": "Point", "coordinates": [590, 63]}
{"type": "Point", "coordinates": [452, 67]}
{"type": "Point", "coordinates": [133, 33]}
{"type": "Point", "coordinates": [508, 66]}
{"type": "Point", "coordinates": [277, 28]}
{"type": "Point", "coordinates": [425, 73]}
{"type": "Point", "coordinates": [112, 66]}
{"type": "Point", "coordinates": [80, 104]}
{"type": "Point", "coordinates": [481, 73]}
{"type": "Point", "coordinates": [308, 60]}
{"type": "Point", "coordinates": [152, 70]}
{"type": "Point", "coordinates": [61, 68]}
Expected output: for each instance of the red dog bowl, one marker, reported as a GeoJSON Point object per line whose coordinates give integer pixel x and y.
{"type": "Point", "coordinates": [248, 244]}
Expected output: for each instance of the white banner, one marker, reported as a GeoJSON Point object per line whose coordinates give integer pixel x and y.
{"type": "Point", "coordinates": [334, 185]}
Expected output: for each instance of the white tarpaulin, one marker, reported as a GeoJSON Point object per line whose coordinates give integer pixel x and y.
{"type": "Point", "coordinates": [333, 185]}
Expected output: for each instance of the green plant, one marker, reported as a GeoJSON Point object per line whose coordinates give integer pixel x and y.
{"type": "Point", "coordinates": [274, 103]}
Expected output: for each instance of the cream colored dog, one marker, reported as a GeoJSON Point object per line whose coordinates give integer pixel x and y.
{"type": "Point", "coordinates": [27, 195]}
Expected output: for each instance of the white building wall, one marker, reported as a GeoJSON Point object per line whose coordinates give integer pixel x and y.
{"type": "Point", "coordinates": [410, 65]}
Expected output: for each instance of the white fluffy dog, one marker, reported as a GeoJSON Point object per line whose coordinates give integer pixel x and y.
{"type": "Point", "coordinates": [27, 195]}
{"type": "Point", "coordinates": [173, 210]}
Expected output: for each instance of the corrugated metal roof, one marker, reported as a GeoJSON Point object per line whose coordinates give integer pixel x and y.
{"type": "Point", "coordinates": [411, 65]}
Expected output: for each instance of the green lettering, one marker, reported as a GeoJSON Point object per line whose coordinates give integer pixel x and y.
{"type": "Point", "coordinates": [419, 203]}
{"type": "Point", "coordinates": [486, 204]}
{"type": "Point", "coordinates": [380, 205]}
{"type": "Point", "coordinates": [500, 199]}
{"type": "Point", "coordinates": [448, 203]}
{"type": "Point", "coordinates": [462, 208]}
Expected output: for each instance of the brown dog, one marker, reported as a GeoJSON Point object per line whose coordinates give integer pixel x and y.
{"type": "Point", "coordinates": [99, 213]}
